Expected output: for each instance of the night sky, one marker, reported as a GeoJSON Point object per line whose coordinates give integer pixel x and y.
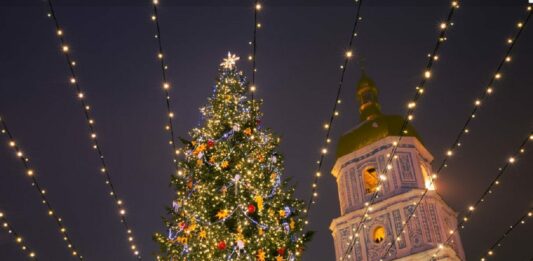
{"type": "Point", "coordinates": [300, 48]}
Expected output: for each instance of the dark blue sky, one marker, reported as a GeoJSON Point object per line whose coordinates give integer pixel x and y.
{"type": "Point", "coordinates": [300, 49]}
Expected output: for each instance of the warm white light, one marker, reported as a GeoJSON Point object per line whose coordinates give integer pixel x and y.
{"type": "Point", "coordinates": [427, 74]}
{"type": "Point", "coordinates": [349, 54]}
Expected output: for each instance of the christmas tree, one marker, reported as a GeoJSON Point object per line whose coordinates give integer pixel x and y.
{"type": "Point", "coordinates": [231, 202]}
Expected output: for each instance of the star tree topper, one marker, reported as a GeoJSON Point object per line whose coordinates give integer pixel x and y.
{"type": "Point", "coordinates": [230, 61]}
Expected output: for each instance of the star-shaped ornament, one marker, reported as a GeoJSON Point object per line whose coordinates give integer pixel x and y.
{"type": "Point", "coordinates": [230, 61]}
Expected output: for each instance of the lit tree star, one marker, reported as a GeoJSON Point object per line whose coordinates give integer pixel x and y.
{"type": "Point", "coordinates": [230, 61]}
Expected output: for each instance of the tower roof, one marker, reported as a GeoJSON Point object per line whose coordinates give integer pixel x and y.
{"type": "Point", "coordinates": [374, 125]}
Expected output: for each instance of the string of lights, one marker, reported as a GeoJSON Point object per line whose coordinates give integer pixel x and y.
{"type": "Point", "coordinates": [166, 84]}
{"type": "Point", "coordinates": [419, 90]}
{"type": "Point", "coordinates": [498, 242]}
{"type": "Point", "coordinates": [31, 173]}
{"type": "Point", "coordinates": [334, 112]}
{"type": "Point", "coordinates": [489, 190]}
{"type": "Point", "coordinates": [253, 43]}
{"type": "Point", "coordinates": [18, 239]}
{"type": "Point", "coordinates": [488, 90]}
{"type": "Point", "coordinates": [91, 125]}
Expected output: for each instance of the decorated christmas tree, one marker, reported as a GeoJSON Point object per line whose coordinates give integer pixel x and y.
{"type": "Point", "coordinates": [231, 201]}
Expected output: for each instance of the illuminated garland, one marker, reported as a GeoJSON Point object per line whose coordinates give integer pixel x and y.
{"type": "Point", "coordinates": [477, 104]}
{"type": "Point", "coordinates": [498, 242]}
{"type": "Point", "coordinates": [91, 124]}
{"type": "Point", "coordinates": [334, 112]}
{"type": "Point", "coordinates": [18, 239]}
{"type": "Point", "coordinates": [495, 182]}
{"type": "Point", "coordinates": [166, 85]}
{"type": "Point", "coordinates": [252, 57]}
{"type": "Point", "coordinates": [31, 173]}
{"type": "Point", "coordinates": [419, 90]}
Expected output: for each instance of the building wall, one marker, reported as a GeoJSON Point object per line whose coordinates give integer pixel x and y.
{"type": "Point", "coordinates": [404, 184]}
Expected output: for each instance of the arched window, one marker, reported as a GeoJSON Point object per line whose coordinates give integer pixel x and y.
{"type": "Point", "coordinates": [370, 180]}
{"type": "Point", "coordinates": [379, 234]}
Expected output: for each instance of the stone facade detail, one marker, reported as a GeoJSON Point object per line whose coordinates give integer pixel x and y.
{"type": "Point", "coordinates": [404, 184]}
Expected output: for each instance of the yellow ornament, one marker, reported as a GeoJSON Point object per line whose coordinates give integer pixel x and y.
{"type": "Point", "coordinates": [199, 163]}
{"type": "Point", "coordinates": [202, 234]}
{"type": "Point", "coordinates": [212, 159]}
{"type": "Point", "coordinates": [260, 231]}
{"type": "Point", "coordinates": [223, 214]}
{"type": "Point", "coordinates": [281, 213]}
{"type": "Point", "coordinates": [279, 258]}
{"type": "Point", "coordinates": [259, 200]}
{"type": "Point", "coordinates": [199, 149]}
{"type": "Point", "coordinates": [247, 131]}
{"type": "Point", "coordinates": [182, 240]}
{"type": "Point", "coordinates": [261, 255]}
{"type": "Point", "coordinates": [292, 224]}
{"type": "Point", "coordinates": [224, 164]}
{"type": "Point", "coordinates": [273, 177]}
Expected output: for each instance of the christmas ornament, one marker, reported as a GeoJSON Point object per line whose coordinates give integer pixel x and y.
{"type": "Point", "coordinates": [224, 164]}
{"type": "Point", "coordinates": [281, 251]}
{"type": "Point", "coordinates": [221, 245]}
{"type": "Point", "coordinates": [247, 131]}
{"type": "Point", "coordinates": [202, 234]}
{"type": "Point", "coordinates": [251, 209]}
{"type": "Point", "coordinates": [222, 214]}
{"type": "Point", "coordinates": [259, 200]}
{"type": "Point", "coordinates": [261, 255]}
{"type": "Point", "coordinates": [240, 244]}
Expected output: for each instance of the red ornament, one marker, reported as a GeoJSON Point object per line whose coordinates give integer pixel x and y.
{"type": "Point", "coordinates": [221, 245]}
{"type": "Point", "coordinates": [251, 209]}
{"type": "Point", "coordinates": [210, 143]}
{"type": "Point", "coordinates": [281, 251]}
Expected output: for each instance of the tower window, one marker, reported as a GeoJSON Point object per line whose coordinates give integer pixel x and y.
{"type": "Point", "coordinates": [379, 234]}
{"type": "Point", "coordinates": [370, 180]}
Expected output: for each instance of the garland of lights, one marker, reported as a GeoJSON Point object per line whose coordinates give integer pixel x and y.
{"type": "Point", "coordinates": [495, 182]}
{"type": "Point", "coordinates": [18, 239]}
{"type": "Point", "coordinates": [498, 242]}
{"type": "Point", "coordinates": [166, 85]}
{"type": "Point", "coordinates": [91, 124]}
{"type": "Point", "coordinates": [253, 43]}
{"type": "Point", "coordinates": [477, 104]}
{"type": "Point", "coordinates": [419, 90]}
{"type": "Point", "coordinates": [334, 112]}
{"type": "Point", "coordinates": [30, 172]}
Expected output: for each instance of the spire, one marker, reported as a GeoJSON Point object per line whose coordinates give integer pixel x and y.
{"type": "Point", "coordinates": [367, 96]}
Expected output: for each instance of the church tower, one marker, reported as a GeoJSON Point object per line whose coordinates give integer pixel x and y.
{"type": "Point", "coordinates": [361, 156]}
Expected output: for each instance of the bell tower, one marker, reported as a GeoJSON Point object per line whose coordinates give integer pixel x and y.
{"type": "Point", "coordinates": [362, 155]}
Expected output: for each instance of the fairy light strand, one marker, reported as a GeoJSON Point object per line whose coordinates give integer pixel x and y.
{"type": "Point", "coordinates": [465, 129]}
{"type": "Point", "coordinates": [495, 182]}
{"type": "Point", "coordinates": [16, 237]}
{"type": "Point", "coordinates": [31, 173]}
{"type": "Point", "coordinates": [253, 56]}
{"type": "Point", "coordinates": [334, 112]}
{"type": "Point", "coordinates": [119, 203]}
{"type": "Point", "coordinates": [419, 90]}
{"type": "Point", "coordinates": [166, 84]}
{"type": "Point", "coordinates": [498, 242]}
